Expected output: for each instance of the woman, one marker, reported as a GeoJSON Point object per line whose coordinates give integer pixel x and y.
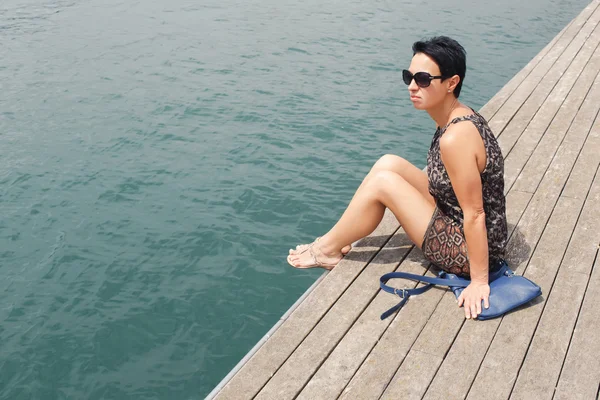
{"type": "Point", "coordinates": [458, 205]}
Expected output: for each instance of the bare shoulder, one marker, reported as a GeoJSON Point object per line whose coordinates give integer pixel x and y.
{"type": "Point", "coordinates": [460, 136]}
{"type": "Point", "coordinates": [462, 144]}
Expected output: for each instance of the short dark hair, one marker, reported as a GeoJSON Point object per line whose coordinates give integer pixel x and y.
{"type": "Point", "coordinates": [448, 54]}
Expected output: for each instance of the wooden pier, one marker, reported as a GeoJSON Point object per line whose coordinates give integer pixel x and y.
{"type": "Point", "coordinates": [332, 344]}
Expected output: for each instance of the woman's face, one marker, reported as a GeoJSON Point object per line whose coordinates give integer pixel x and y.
{"type": "Point", "coordinates": [434, 94]}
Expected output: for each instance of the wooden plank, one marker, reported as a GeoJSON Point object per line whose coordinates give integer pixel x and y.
{"type": "Point", "coordinates": [291, 377]}
{"type": "Point", "coordinates": [510, 109]}
{"type": "Point", "coordinates": [338, 369]}
{"type": "Point", "coordinates": [540, 371]}
{"type": "Point", "coordinates": [490, 108]}
{"type": "Point", "coordinates": [421, 363]}
{"type": "Point", "coordinates": [383, 360]}
{"type": "Point", "coordinates": [261, 367]}
{"type": "Point", "coordinates": [587, 163]}
{"type": "Point", "coordinates": [540, 379]}
{"type": "Point", "coordinates": [580, 375]}
{"type": "Point", "coordinates": [389, 354]}
{"type": "Point", "coordinates": [525, 131]}
{"type": "Point", "coordinates": [503, 359]}
{"type": "Point", "coordinates": [552, 138]}
{"type": "Point", "coordinates": [587, 226]}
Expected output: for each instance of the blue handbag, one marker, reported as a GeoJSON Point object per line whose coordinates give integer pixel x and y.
{"type": "Point", "coordinates": [507, 290]}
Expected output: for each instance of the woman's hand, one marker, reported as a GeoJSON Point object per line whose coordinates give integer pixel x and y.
{"type": "Point", "coordinates": [471, 298]}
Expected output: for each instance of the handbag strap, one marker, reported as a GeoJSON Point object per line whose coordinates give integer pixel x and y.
{"type": "Point", "coordinates": [404, 294]}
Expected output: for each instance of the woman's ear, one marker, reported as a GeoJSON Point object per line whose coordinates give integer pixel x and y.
{"type": "Point", "coordinates": [452, 82]}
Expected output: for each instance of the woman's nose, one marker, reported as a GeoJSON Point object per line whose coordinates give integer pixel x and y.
{"type": "Point", "coordinates": [413, 87]}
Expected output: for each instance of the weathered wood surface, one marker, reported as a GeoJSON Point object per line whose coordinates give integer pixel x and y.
{"type": "Point", "coordinates": [334, 345]}
{"type": "Point", "coordinates": [582, 366]}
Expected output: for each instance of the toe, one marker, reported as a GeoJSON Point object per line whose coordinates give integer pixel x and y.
{"type": "Point", "coordinates": [295, 251]}
{"type": "Point", "coordinates": [290, 261]}
{"type": "Point", "coordinates": [295, 262]}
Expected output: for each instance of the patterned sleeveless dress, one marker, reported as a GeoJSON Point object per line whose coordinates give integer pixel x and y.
{"type": "Point", "coordinates": [444, 241]}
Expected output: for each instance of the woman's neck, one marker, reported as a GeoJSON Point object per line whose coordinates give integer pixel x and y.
{"type": "Point", "coordinates": [442, 113]}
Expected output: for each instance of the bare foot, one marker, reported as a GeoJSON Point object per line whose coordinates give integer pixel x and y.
{"type": "Point", "coordinates": [314, 257]}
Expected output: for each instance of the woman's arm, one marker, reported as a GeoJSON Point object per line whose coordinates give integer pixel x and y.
{"type": "Point", "coordinates": [463, 153]}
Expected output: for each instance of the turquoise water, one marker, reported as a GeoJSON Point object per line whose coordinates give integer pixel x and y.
{"type": "Point", "coordinates": [158, 158]}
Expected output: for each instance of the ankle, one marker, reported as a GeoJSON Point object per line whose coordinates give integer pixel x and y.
{"type": "Point", "coordinates": [328, 248]}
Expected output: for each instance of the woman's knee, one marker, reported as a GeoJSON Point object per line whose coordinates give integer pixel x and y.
{"type": "Point", "coordinates": [387, 162]}
{"type": "Point", "coordinates": [383, 181]}
{"type": "Point", "coordinates": [390, 162]}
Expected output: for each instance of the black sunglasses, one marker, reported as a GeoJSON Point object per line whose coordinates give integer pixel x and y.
{"type": "Point", "coordinates": [422, 79]}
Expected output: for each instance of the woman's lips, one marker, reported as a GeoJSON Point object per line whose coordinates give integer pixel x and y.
{"type": "Point", "coordinates": [413, 98]}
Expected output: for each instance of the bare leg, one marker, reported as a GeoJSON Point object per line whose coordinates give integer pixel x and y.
{"type": "Point", "coordinates": [365, 211]}
{"type": "Point", "coordinates": [411, 174]}
{"type": "Point", "coordinates": [390, 162]}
